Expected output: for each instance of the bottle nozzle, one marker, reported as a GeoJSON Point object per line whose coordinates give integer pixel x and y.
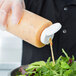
{"type": "Point", "coordinates": [49, 32]}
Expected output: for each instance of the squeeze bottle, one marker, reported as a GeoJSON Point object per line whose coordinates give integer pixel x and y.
{"type": "Point", "coordinates": [32, 28]}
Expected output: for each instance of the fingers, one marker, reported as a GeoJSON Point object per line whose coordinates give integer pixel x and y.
{"type": "Point", "coordinates": [1, 2]}
{"type": "Point", "coordinates": [3, 12]}
{"type": "Point", "coordinates": [16, 12]}
{"type": "Point", "coordinates": [23, 4]}
{"type": "Point", "coordinates": [6, 6]}
{"type": "Point", "coordinates": [3, 17]}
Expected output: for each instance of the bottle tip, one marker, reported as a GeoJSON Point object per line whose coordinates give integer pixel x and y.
{"type": "Point", "coordinates": [49, 32]}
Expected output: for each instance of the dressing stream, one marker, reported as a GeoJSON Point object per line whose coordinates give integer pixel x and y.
{"type": "Point", "coordinates": [51, 48]}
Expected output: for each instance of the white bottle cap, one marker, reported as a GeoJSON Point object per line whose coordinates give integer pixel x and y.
{"type": "Point", "coordinates": [49, 32]}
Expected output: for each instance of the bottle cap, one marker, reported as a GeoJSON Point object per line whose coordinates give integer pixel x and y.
{"type": "Point", "coordinates": [49, 32]}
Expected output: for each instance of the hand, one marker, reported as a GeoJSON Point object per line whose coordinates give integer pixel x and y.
{"type": "Point", "coordinates": [6, 6]}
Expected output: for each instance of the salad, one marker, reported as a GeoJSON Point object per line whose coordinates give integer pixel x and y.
{"type": "Point", "coordinates": [64, 66]}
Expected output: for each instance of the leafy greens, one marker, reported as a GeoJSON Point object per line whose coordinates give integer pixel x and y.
{"type": "Point", "coordinates": [64, 66]}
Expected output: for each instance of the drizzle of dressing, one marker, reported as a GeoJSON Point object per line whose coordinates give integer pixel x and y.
{"type": "Point", "coordinates": [51, 47]}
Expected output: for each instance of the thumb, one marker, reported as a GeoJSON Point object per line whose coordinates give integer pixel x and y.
{"type": "Point", "coordinates": [16, 12]}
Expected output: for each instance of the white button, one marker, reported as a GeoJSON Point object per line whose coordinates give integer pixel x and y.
{"type": "Point", "coordinates": [65, 8]}
{"type": "Point", "coordinates": [64, 31]}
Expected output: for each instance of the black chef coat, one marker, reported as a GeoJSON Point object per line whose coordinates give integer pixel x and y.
{"type": "Point", "coordinates": [63, 11]}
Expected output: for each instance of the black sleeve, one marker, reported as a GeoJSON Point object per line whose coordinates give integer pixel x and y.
{"type": "Point", "coordinates": [28, 4]}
